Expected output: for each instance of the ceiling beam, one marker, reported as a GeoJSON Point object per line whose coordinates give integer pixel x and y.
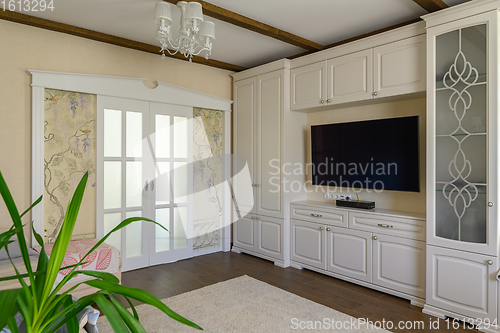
{"type": "Point", "coordinates": [255, 26]}
{"type": "Point", "coordinates": [431, 5]}
{"type": "Point", "coordinates": [105, 38]}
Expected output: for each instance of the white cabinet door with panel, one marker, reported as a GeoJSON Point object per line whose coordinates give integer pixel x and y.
{"type": "Point", "coordinates": [399, 67]}
{"type": "Point", "coordinates": [270, 235]}
{"type": "Point", "coordinates": [244, 233]}
{"type": "Point", "coordinates": [462, 282]}
{"type": "Point", "coordinates": [349, 253]}
{"type": "Point", "coordinates": [308, 243]}
{"type": "Point", "coordinates": [308, 86]}
{"type": "Point", "coordinates": [399, 264]}
{"type": "Point", "coordinates": [335, 217]}
{"type": "Point", "coordinates": [350, 77]}
{"type": "Point", "coordinates": [269, 146]}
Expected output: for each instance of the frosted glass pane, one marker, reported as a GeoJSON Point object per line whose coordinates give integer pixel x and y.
{"type": "Point", "coordinates": [474, 48]}
{"type": "Point", "coordinates": [162, 236]}
{"type": "Point", "coordinates": [474, 148]}
{"type": "Point", "coordinates": [180, 182]}
{"type": "Point", "coordinates": [134, 184]}
{"type": "Point", "coordinates": [112, 184]}
{"type": "Point", "coordinates": [112, 133]}
{"type": "Point", "coordinates": [180, 137]}
{"type": "Point", "coordinates": [162, 183]}
{"type": "Point", "coordinates": [134, 134]}
{"type": "Point", "coordinates": [473, 223]}
{"type": "Point", "coordinates": [446, 50]}
{"type": "Point", "coordinates": [180, 227]}
{"type": "Point", "coordinates": [162, 136]}
{"type": "Point", "coordinates": [134, 235]}
{"type": "Point", "coordinates": [111, 221]}
{"type": "Point", "coordinates": [446, 219]}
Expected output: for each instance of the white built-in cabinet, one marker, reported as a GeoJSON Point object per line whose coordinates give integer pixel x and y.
{"type": "Point", "coordinates": [383, 252]}
{"type": "Point", "coordinates": [390, 69]}
{"type": "Point", "coordinates": [262, 120]}
{"type": "Point", "coordinates": [462, 162]}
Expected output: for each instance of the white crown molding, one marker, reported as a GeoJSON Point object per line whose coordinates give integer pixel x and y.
{"type": "Point", "coordinates": [267, 68]}
{"type": "Point", "coordinates": [390, 36]}
{"type": "Point", "coordinates": [124, 87]}
{"type": "Point", "coordinates": [461, 11]}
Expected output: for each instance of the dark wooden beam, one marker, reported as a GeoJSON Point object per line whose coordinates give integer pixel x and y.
{"type": "Point", "coordinates": [105, 38]}
{"type": "Point", "coordinates": [345, 41]}
{"type": "Point", "coordinates": [255, 26]}
{"type": "Point", "coordinates": [431, 5]}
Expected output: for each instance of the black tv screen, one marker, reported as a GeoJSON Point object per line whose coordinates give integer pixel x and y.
{"type": "Point", "coordinates": [378, 154]}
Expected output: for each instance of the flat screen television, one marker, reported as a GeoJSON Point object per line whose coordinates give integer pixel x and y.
{"type": "Point", "coordinates": [378, 154]}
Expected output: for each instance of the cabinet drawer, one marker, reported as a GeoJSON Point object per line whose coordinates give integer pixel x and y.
{"type": "Point", "coordinates": [392, 226]}
{"type": "Point", "coordinates": [333, 217]}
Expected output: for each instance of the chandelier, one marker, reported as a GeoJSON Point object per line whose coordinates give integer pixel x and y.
{"type": "Point", "coordinates": [195, 34]}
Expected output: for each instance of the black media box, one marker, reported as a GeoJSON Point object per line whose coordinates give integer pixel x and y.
{"type": "Point", "coordinates": [355, 204]}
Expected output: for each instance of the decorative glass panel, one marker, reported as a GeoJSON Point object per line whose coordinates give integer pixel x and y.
{"type": "Point", "coordinates": [461, 142]}
{"type": "Point", "coordinates": [112, 184]}
{"type": "Point", "coordinates": [134, 235]}
{"type": "Point", "coordinates": [162, 236]}
{"type": "Point", "coordinates": [180, 134]}
{"type": "Point", "coordinates": [111, 221]}
{"type": "Point", "coordinates": [162, 136]}
{"type": "Point", "coordinates": [163, 188]}
{"type": "Point", "coordinates": [134, 184]}
{"type": "Point", "coordinates": [112, 133]}
{"type": "Point", "coordinates": [180, 227]}
{"type": "Point", "coordinates": [134, 134]}
{"type": "Point", "coordinates": [180, 181]}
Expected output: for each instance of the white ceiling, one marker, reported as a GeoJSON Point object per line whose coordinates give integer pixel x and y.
{"type": "Point", "coordinates": [322, 21]}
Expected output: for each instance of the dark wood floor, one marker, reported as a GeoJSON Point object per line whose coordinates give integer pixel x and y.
{"type": "Point", "coordinates": [186, 275]}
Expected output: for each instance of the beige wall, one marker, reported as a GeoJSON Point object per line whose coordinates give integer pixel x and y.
{"type": "Point", "coordinates": [23, 48]}
{"type": "Point", "coordinates": [405, 201]}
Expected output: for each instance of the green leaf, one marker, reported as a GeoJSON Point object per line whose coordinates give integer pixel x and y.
{"type": "Point", "coordinates": [12, 325]}
{"type": "Point", "coordinates": [8, 299]}
{"type": "Point", "coordinates": [133, 324]}
{"type": "Point", "coordinates": [136, 315]}
{"type": "Point", "coordinates": [140, 295]}
{"type": "Point", "coordinates": [32, 205]}
{"type": "Point", "coordinates": [101, 275]}
{"type": "Point", "coordinates": [112, 315]}
{"type": "Point", "coordinates": [43, 261]}
{"type": "Point", "coordinates": [72, 323]}
{"type": "Point", "coordinates": [64, 237]}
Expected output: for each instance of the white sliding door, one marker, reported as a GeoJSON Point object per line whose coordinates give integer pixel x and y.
{"type": "Point", "coordinates": [171, 182]}
{"type": "Point", "coordinates": [145, 169]}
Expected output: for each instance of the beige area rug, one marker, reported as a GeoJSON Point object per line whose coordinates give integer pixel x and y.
{"type": "Point", "coordinates": [244, 304]}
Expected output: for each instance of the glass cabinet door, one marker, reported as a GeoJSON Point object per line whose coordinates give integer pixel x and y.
{"type": "Point", "coordinates": [461, 151]}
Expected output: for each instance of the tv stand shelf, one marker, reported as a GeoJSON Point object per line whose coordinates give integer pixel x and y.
{"type": "Point", "coordinates": [377, 248]}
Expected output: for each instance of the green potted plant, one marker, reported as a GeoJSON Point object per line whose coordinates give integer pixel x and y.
{"type": "Point", "coordinates": [39, 302]}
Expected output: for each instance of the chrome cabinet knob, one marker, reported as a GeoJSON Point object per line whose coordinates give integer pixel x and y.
{"type": "Point", "coordinates": [322, 102]}
{"type": "Point", "coordinates": [320, 228]}
{"type": "Point", "coordinates": [327, 229]}
{"type": "Point", "coordinates": [375, 93]}
{"type": "Point", "coordinates": [490, 204]}
{"type": "Point", "coordinates": [328, 100]}
{"type": "Point", "coordinates": [374, 238]}
{"type": "Point", "coordinates": [489, 262]}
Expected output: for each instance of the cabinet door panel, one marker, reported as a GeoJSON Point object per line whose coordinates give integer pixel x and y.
{"type": "Point", "coordinates": [270, 233]}
{"type": "Point", "coordinates": [462, 282]}
{"type": "Point", "coordinates": [336, 217]}
{"type": "Point", "coordinates": [244, 233]}
{"type": "Point", "coordinates": [308, 86]}
{"type": "Point", "coordinates": [399, 67]}
{"type": "Point", "coordinates": [268, 154]}
{"type": "Point", "coordinates": [399, 264]}
{"type": "Point", "coordinates": [308, 243]}
{"type": "Point", "coordinates": [350, 253]}
{"type": "Point", "coordinates": [245, 96]}
{"type": "Point", "coordinates": [350, 77]}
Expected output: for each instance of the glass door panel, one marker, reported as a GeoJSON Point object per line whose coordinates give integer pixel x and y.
{"type": "Point", "coordinates": [461, 135]}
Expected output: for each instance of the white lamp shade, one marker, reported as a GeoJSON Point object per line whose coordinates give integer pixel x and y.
{"type": "Point", "coordinates": [208, 30]}
{"type": "Point", "coordinates": [163, 12]}
{"type": "Point", "coordinates": [194, 12]}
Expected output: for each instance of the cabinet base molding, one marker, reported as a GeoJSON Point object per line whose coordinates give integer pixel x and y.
{"type": "Point", "coordinates": [279, 263]}
{"type": "Point", "coordinates": [442, 314]}
{"type": "Point", "coordinates": [417, 301]}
